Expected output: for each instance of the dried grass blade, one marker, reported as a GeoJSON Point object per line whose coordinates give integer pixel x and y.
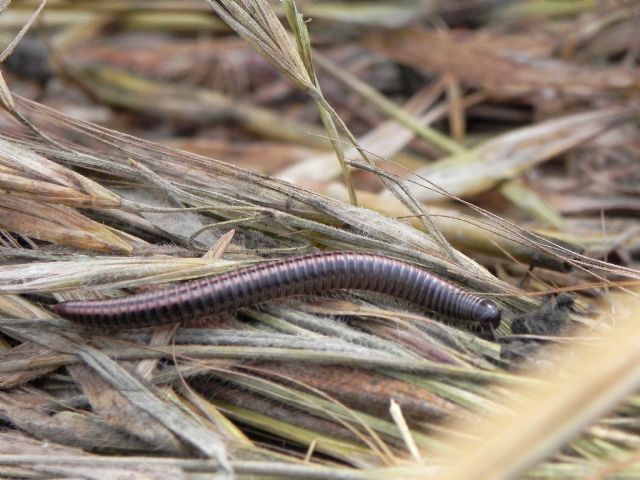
{"type": "Point", "coordinates": [511, 154]}
{"type": "Point", "coordinates": [507, 70]}
{"type": "Point", "coordinates": [25, 28]}
{"type": "Point", "coordinates": [212, 181]}
{"type": "Point", "coordinates": [295, 69]}
{"type": "Point", "coordinates": [32, 166]}
{"type": "Point", "coordinates": [148, 399]}
{"type": "Point", "coordinates": [351, 453]}
{"type": "Point", "coordinates": [383, 141]}
{"type": "Point", "coordinates": [15, 306]}
{"type": "Point", "coordinates": [27, 352]}
{"type": "Point", "coordinates": [28, 411]}
{"type": "Point", "coordinates": [111, 405]}
{"type": "Point", "coordinates": [58, 224]}
{"type": "Point", "coordinates": [35, 458]}
{"type": "Point", "coordinates": [105, 273]}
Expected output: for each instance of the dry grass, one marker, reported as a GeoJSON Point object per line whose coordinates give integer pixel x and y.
{"type": "Point", "coordinates": [495, 145]}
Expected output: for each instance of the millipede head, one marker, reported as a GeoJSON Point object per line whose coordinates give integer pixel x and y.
{"type": "Point", "coordinates": [489, 314]}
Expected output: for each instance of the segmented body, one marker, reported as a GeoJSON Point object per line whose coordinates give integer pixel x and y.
{"type": "Point", "coordinates": [308, 274]}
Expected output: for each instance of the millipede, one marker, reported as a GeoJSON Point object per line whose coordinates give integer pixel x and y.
{"type": "Point", "coordinates": [302, 275]}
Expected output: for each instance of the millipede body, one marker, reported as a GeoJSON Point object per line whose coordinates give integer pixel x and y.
{"type": "Point", "coordinates": [308, 274]}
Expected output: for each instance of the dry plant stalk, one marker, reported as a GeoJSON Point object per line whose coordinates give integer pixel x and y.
{"type": "Point", "coordinates": [256, 22]}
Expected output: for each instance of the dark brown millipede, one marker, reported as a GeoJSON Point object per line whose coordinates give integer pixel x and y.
{"type": "Point", "coordinates": [308, 274]}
